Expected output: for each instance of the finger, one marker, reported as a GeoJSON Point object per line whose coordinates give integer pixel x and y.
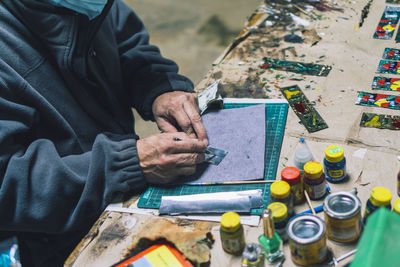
{"type": "Point", "coordinates": [195, 120]}
{"type": "Point", "coordinates": [166, 126]}
{"type": "Point", "coordinates": [183, 120]}
{"type": "Point", "coordinates": [187, 146]}
{"type": "Point", "coordinates": [185, 170]}
{"type": "Point", "coordinates": [187, 159]}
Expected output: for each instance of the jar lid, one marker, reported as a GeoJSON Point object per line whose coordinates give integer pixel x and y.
{"type": "Point", "coordinates": [380, 196]}
{"type": "Point", "coordinates": [279, 211]}
{"type": "Point", "coordinates": [396, 206]}
{"type": "Point", "coordinates": [342, 205]}
{"type": "Point", "coordinates": [280, 189]}
{"type": "Point", "coordinates": [306, 229]}
{"type": "Point", "coordinates": [334, 153]}
{"type": "Point", "coordinates": [290, 175]}
{"type": "Point", "coordinates": [313, 169]}
{"type": "Point", "coordinates": [230, 221]}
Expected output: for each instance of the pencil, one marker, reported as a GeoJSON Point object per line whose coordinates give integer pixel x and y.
{"type": "Point", "coordinates": [234, 182]}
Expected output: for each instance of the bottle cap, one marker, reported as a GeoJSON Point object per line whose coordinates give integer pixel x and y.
{"type": "Point", "coordinates": [279, 211]}
{"type": "Point", "coordinates": [380, 196]}
{"type": "Point", "coordinates": [396, 206]}
{"type": "Point", "coordinates": [269, 230]}
{"type": "Point", "coordinates": [334, 154]}
{"type": "Point", "coordinates": [280, 189]}
{"type": "Point", "coordinates": [313, 169]}
{"type": "Point", "coordinates": [230, 221]}
{"type": "Point", "coordinates": [290, 175]}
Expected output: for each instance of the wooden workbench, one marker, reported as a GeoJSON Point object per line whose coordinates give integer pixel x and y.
{"type": "Point", "coordinates": [334, 38]}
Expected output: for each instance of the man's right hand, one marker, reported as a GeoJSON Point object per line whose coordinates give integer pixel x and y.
{"type": "Point", "coordinates": [164, 157]}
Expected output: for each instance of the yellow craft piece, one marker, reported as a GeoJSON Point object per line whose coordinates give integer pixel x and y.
{"type": "Point", "coordinates": [388, 28]}
{"type": "Point", "coordinates": [395, 86]}
{"type": "Point", "coordinates": [289, 94]}
{"type": "Point", "coordinates": [374, 122]}
{"type": "Point", "coordinates": [163, 257]}
{"type": "Point", "coordinates": [381, 101]}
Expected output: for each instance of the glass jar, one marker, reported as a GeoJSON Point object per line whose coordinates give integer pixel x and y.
{"type": "Point", "coordinates": [380, 197]}
{"type": "Point", "coordinates": [232, 234]}
{"type": "Point", "coordinates": [292, 176]}
{"type": "Point", "coordinates": [280, 218]}
{"type": "Point", "coordinates": [335, 164]}
{"type": "Point", "coordinates": [280, 192]}
{"type": "Point", "coordinates": [314, 180]}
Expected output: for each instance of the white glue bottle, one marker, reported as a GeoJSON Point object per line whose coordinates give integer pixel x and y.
{"type": "Point", "coordinates": [302, 155]}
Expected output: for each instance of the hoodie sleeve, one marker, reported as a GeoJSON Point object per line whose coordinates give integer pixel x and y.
{"type": "Point", "coordinates": [146, 73]}
{"type": "Point", "coordinates": [44, 191]}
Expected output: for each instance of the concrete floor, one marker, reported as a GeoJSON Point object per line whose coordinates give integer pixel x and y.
{"type": "Point", "coordinates": [193, 33]}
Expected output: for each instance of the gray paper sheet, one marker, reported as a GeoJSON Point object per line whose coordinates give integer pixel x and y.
{"type": "Point", "coordinates": [241, 132]}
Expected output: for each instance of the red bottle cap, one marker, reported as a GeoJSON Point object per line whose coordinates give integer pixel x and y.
{"type": "Point", "coordinates": [290, 175]}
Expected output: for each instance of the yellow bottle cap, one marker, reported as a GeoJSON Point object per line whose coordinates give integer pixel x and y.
{"type": "Point", "coordinates": [380, 196]}
{"type": "Point", "coordinates": [230, 221]}
{"type": "Point", "coordinates": [313, 169]}
{"type": "Point", "coordinates": [334, 153]}
{"type": "Point", "coordinates": [279, 211]}
{"type": "Point", "coordinates": [280, 189]}
{"type": "Point", "coordinates": [396, 206]}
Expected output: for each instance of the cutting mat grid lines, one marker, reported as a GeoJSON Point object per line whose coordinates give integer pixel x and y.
{"type": "Point", "coordinates": [276, 114]}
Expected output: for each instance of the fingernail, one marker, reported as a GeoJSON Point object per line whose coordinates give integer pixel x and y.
{"type": "Point", "coordinates": [205, 141]}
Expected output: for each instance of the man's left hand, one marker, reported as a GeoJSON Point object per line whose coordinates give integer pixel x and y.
{"type": "Point", "coordinates": [176, 111]}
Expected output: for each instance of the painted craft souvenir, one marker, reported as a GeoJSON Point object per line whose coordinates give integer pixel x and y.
{"type": "Point", "coordinates": [380, 121]}
{"type": "Point", "coordinates": [391, 53]}
{"type": "Point", "coordinates": [378, 100]}
{"type": "Point", "coordinates": [384, 83]}
{"type": "Point", "coordinates": [306, 112]}
{"type": "Point", "coordinates": [387, 66]}
{"type": "Point", "coordinates": [388, 23]}
{"type": "Point", "coordinates": [296, 67]}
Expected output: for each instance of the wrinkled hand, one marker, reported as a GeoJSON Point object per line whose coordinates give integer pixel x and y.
{"type": "Point", "coordinates": [175, 111]}
{"type": "Point", "coordinates": [163, 159]}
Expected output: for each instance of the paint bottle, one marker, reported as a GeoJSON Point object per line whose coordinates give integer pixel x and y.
{"type": "Point", "coordinates": [302, 155]}
{"type": "Point", "coordinates": [280, 192]}
{"type": "Point", "coordinates": [232, 234]}
{"type": "Point", "coordinates": [252, 256]}
{"type": "Point", "coordinates": [270, 241]}
{"type": "Point", "coordinates": [335, 164]}
{"type": "Point", "coordinates": [380, 197]}
{"type": "Point", "coordinates": [314, 180]}
{"type": "Point", "coordinates": [307, 240]}
{"type": "Point", "coordinates": [342, 212]}
{"type": "Point", "coordinates": [280, 217]}
{"type": "Point", "coordinates": [396, 206]}
{"type": "Point", "coordinates": [292, 176]}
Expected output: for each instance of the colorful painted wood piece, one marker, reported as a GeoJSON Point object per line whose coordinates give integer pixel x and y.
{"type": "Point", "coordinates": [303, 108]}
{"type": "Point", "coordinates": [388, 66]}
{"type": "Point", "coordinates": [391, 53]}
{"type": "Point", "coordinates": [387, 23]}
{"type": "Point", "coordinates": [296, 67]}
{"type": "Point", "coordinates": [385, 83]}
{"type": "Point", "coordinates": [378, 100]}
{"type": "Point", "coordinates": [380, 121]}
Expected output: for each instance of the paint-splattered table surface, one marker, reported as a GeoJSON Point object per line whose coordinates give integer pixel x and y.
{"type": "Point", "coordinates": [340, 36]}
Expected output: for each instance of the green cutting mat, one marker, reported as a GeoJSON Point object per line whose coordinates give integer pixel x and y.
{"type": "Point", "coordinates": [275, 121]}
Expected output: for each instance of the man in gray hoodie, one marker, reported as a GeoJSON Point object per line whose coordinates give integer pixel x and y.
{"type": "Point", "coordinates": [70, 72]}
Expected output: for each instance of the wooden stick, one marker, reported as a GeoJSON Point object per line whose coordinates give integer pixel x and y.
{"type": "Point", "coordinates": [235, 182]}
{"type": "Point", "coordinates": [309, 202]}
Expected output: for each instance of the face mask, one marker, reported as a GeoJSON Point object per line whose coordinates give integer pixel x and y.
{"type": "Point", "coordinates": [90, 8]}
